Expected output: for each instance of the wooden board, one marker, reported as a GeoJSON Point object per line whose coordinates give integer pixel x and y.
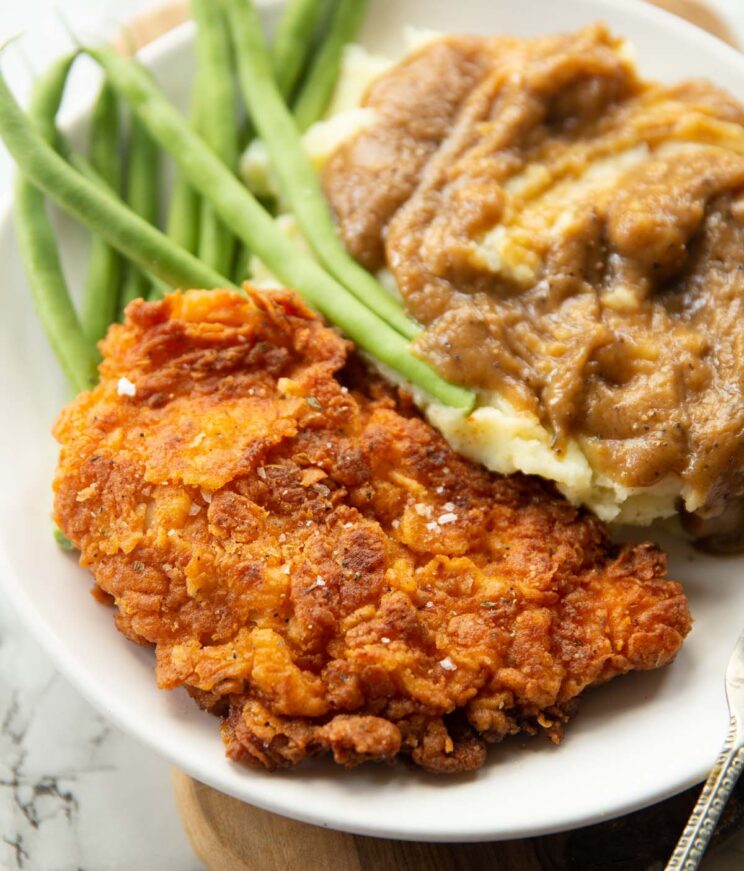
{"type": "Point", "coordinates": [228, 835]}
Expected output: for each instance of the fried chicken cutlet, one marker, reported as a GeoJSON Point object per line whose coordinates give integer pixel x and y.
{"type": "Point", "coordinates": [316, 566]}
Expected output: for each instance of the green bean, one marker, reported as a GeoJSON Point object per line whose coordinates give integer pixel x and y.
{"type": "Point", "coordinates": [158, 288]}
{"type": "Point", "coordinates": [184, 204]}
{"type": "Point", "coordinates": [216, 242]}
{"type": "Point", "coordinates": [320, 82]}
{"type": "Point", "coordinates": [82, 164]}
{"type": "Point", "coordinates": [94, 207]}
{"type": "Point", "coordinates": [251, 223]}
{"type": "Point", "coordinates": [293, 40]}
{"type": "Point", "coordinates": [104, 149]}
{"type": "Point", "coordinates": [294, 170]}
{"type": "Point", "coordinates": [105, 270]}
{"type": "Point", "coordinates": [143, 183]}
{"type": "Point", "coordinates": [63, 542]}
{"type": "Point", "coordinates": [38, 248]}
{"type": "Point", "coordinates": [142, 196]}
{"type": "Point", "coordinates": [216, 120]}
{"type": "Point", "coordinates": [241, 270]}
{"type": "Point", "coordinates": [78, 161]}
{"type": "Point", "coordinates": [184, 213]}
{"type": "Point", "coordinates": [292, 45]}
{"type": "Point", "coordinates": [47, 95]}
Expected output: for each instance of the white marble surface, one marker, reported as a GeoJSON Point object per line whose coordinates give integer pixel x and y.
{"type": "Point", "coordinates": [76, 793]}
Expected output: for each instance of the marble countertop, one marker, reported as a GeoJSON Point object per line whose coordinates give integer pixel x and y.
{"type": "Point", "coordinates": [76, 793]}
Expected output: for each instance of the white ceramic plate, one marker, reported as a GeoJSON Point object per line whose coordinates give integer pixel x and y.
{"type": "Point", "coordinates": [635, 741]}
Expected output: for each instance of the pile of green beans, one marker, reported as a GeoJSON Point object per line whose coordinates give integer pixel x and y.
{"type": "Point", "coordinates": [210, 209]}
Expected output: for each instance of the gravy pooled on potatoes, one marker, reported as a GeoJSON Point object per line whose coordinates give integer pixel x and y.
{"type": "Point", "coordinates": [572, 238]}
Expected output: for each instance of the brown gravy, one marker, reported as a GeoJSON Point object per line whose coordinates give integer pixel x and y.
{"type": "Point", "coordinates": [571, 237]}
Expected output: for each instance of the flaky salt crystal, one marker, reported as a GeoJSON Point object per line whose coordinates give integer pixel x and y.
{"type": "Point", "coordinates": [124, 387]}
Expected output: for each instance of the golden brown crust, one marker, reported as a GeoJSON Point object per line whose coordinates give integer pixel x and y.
{"type": "Point", "coordinates": [311, 560]}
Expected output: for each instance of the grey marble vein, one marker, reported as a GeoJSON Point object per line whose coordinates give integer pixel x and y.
{"type": "Point", "coordinates": [75, 793]}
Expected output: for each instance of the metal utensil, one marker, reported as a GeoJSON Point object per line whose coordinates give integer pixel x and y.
{"type": "Point", "coordinates": [723, 776]}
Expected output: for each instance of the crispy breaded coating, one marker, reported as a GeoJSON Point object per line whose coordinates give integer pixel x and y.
{"type": "Point", "coordinates": [313, 562]}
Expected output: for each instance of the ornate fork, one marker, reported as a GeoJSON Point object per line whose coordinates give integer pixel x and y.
{"type": "Point", "coordinates": [691, 846]}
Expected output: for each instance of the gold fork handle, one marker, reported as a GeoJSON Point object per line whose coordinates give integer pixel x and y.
{"type": "Point", "coordinates": [700, 827]}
